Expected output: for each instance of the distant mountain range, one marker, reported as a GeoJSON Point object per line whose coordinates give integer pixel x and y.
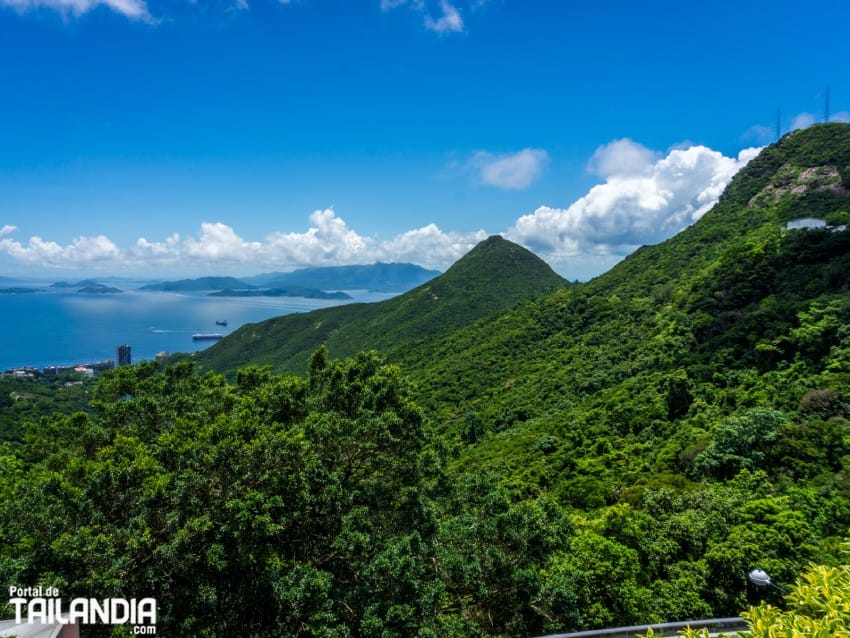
{"type": "Point", "coordinates": [80, 284]}
{"type": "Point", "coordinates": [314, 283]}
{"type": "Point", "coordinates": [378, 277]}
{"type": "Point", "coordinates": [200, 284]}
{"type": "Point", "coordinates": [290, 291]}
{"type": "Point", "coordinates": [87, 286]}
{"type": "Point", "coordinates": [305, 282]}
{"type": "Point", "coordinates": [99, 289]}
{"type": "Point", "coordinates": [16, 290]}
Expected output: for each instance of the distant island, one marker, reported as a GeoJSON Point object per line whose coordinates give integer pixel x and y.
{"type": "Point", "coordinates": [377, 277]}
{"type": "Point", "coordinates": [16, 291]}
{"type": "Point", "coordinates": [291, 291]}
{"type": "Point", "coordinates": [232, 287]}
{"type": "Point", "coordinates": [85, 283]}
{"type": "Point", "coordinates": [200, 284]}
{"type": "Point", "coordinates": [98, 289]}
{"type": "Point", "coordinates": [87, 286]}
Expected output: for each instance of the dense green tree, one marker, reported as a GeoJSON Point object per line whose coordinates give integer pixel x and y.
{"type": "Point", "coordinates": [740, 443]}
{"type": "Point", "coordinates": [275, 506]}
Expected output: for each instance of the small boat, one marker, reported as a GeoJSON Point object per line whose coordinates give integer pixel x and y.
{"type": "Point", "coordinates": [207, 336]}
{"type": "Point", "coordinates": [221, 323]}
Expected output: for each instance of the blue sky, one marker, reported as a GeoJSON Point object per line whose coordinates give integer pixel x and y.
{"type": "Point", "coordinates": [242, 136]}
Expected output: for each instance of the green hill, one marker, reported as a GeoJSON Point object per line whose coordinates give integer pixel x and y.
{"type": "Point", "coordinates": [689, 407]}
{"type": "Point", "coordinates": [735, 259]}
{"type": "Point", "coordinates": [695, 323]}
{"type": "Point", "coordinates": [492, 277]}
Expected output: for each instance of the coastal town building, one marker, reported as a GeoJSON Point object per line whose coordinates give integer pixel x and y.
{"type": "Point", "coordinates": [122, 355]}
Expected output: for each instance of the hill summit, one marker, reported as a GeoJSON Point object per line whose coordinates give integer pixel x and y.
{"type": "Point", "coordinates": [494, 276]}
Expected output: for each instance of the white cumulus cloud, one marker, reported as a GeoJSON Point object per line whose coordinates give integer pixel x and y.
{"type": "Point", "coordinates": [514, 171]}
{"type": "Point", "coordinates": [802, 120]}
{"type": "Point", "coordinates": [430, 247]}
{"type": "Point", "coordinates": [805, 120]}
{"type": "Point", "coordinates": [440, 17]}
{"type": "Point", "coordinates": [759, 134]}
{"type": "Point", "coordinates": [622, 157]}
{"type": "Point", "coordinates": [449, 20]}
{"type": "Point", "coordinates": [163, 253]}
{"type": "Point", "coordinates": [645, 199]}
{"type": "Point", "coordinates": [82, 252]}
{"type": "Point", "coordinates": [327, 241]}
{"type": "Point", "coordinates": [219, 243]}
{"type": "Point", "coordinates": [134, 9]}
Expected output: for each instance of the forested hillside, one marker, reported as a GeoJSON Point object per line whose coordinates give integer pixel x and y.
{"type": "Point", "coordinates": [621, 451]}
{"type": "Point", "coordinates": [491, 278]}
{"type": "Point", "coordinates": [23, 401]}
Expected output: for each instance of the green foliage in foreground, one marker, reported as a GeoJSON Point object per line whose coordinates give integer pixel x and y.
{"type": "Point", "coordinates": [321, 507]}
{"type": "Point", "coordinates": [818, 606]}
{"type": "Point", "coordinates": [273, 506]}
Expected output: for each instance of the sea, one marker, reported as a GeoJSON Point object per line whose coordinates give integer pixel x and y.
{"type": "Point", "coordinates": [63, 327]}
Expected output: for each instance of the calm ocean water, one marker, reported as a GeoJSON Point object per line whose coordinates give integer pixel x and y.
{"type": "Point", "coordinates": [63, 328]}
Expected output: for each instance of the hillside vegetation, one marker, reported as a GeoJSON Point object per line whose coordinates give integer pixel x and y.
{"type": "Point", "coordinates": [618, 452]}
{"type": "Point", "coordinates": [494, 276]}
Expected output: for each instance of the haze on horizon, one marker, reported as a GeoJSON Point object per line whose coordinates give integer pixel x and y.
{"type": "Point", "coordinates": [164, 140]}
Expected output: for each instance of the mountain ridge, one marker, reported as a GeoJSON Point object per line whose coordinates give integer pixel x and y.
{"type": "Point", "coordinates": [198, 284]}
{"type": "Point", "coordinates": [733, 294]}
{"type": "Point", "coordinates": [377, 277]}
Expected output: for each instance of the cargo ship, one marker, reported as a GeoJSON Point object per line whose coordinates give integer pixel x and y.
{"type": "Point", "coordinates": [207, 336]}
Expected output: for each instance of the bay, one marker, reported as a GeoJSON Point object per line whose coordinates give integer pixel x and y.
{"type": "Point", "coordinates": [60, 327]}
